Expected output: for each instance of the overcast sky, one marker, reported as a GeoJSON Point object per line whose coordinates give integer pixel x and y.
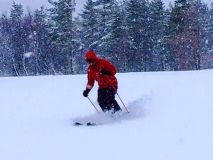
{"type": "Point", "coordinates": [35, 4]}
{"type": "Point", "coordinates": [32, 4]}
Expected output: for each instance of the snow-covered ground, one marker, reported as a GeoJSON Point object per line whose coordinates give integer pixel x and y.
{"type": "Point", "coordinates": [171, 118]}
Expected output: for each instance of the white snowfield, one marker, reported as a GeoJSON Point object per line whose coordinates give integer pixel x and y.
{"type": "Point", "coordinates": [171, 118]}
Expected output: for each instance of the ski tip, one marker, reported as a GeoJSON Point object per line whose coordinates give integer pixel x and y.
{"type": "Point", "coordinates": [91, 124]}
{"type": "Point", "coordinates": [77, 124]}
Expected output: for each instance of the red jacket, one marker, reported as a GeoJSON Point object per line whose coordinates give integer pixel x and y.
{"type": "Point", "coordinates": [94, 72]}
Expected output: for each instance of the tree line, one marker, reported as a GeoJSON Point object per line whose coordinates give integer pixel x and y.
{"type": "Point", "coordinates": [136, 35]}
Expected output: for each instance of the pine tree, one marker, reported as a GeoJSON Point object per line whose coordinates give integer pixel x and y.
{"type": "Point", "coordinates": [118, 39]}
{"type": "Point", "coordinates": [210, 29]}
{"type": "Point", "coordinates": [63, 34]}
{"type": "Point", "coordinates": [176, 35]}
{"type": "Point", "coordinates": [157, 29]}
{"type": "Point", "coordinates": [42, 46]}
{"type": "Point", "coordinates": [78, 58]}
{"type": "Point", "coordinates": [16, 38]}
{"type": "Point", "coordinates": [197, 24]}
{"type": "Point", "coordinates": [89, 26]}
{"type": "Point", "coordinates": [139, 58]}
{"type": "Point", "coordinates": [187, 34]}
{"type": "Point", "coordinates": [207, 58]}
{"type": "Point", "coordinates": [6, 67]}
{"type": "Point", "coordinates": [167, 47]}
{"type": "Point", "coordinates": [28, 43]}
{"type": "Point", "coordinates": [105, 9]}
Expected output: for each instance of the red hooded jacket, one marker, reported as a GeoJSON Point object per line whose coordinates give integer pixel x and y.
{"type": "Point", "coordinates": [94, 72]}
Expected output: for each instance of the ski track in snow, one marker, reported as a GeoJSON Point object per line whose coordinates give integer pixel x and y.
{"type": "Point", "coordinates": [137, 109]}
{"type": "Point", "coordinates": [171, 118]}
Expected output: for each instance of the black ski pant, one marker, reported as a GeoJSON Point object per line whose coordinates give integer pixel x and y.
{"type": "Point", "coordinates": [106, 100]}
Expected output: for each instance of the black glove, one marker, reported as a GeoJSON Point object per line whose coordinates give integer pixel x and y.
{"type": "Point", "coordinates": [105, 72]}
{"type": "Point", "coordinates": [86, 92]}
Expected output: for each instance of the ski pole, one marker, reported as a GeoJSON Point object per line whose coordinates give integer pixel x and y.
{"type": "Point", "coordinates": [93, 105]}
{"type": "Point", "coordinates": [122, 102]}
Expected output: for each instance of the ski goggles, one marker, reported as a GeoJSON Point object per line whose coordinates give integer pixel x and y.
{"type": "Point", "coordinates": [89, 60]}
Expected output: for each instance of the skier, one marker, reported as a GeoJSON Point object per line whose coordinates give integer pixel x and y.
{"type": "Point", "coordinates": [103, 72]}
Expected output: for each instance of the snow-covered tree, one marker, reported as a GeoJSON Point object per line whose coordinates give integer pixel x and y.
{"type": "Point", "coordinates": [6, 67]}
{"type": "Point", "coordinates": [177, 24]}
{"type": "Point", "coordinates": [136, 35]}
{"type": "Point", "coordinates": [187, 35]}
{"type": "Point", "coordinates": [89, 24]}
{"type": "Point", "coordinates": [78, 59]}
{"type": "Point", "coordinates": [157, 30]}
{"type": "Point", "coordinates": [62, 34]}
{"type": "Point", "coordinates": [210, 29]}
{"type": "Point", "coordinates": [167, 47]}
{"type": "Point", "coordinates": [42, 45]}
{"type": "Point", "coordinates": [29, 61]}
{"type": "Point", "coordinates": [137, 19]}
{"type": "Point", "coordinates": [198, 20]}
{"type": "Point", "coordinates": [105, 9]}
{"type": "Point", "coordinates": [118, 39]}
{"type": "Point", "coordinates": [16, 38]}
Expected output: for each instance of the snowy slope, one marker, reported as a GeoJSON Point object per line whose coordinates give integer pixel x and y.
{"type": "Point", "coordinates": [171, 118]}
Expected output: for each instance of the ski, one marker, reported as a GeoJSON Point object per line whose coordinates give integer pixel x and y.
{"type": "Point", "coordinates": [84, 124]}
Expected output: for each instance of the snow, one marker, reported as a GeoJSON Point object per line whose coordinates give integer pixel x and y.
{"type": "Point", "coordinates": [171, 118]}
{"type": "Point", "coordinates": [28, 54]}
